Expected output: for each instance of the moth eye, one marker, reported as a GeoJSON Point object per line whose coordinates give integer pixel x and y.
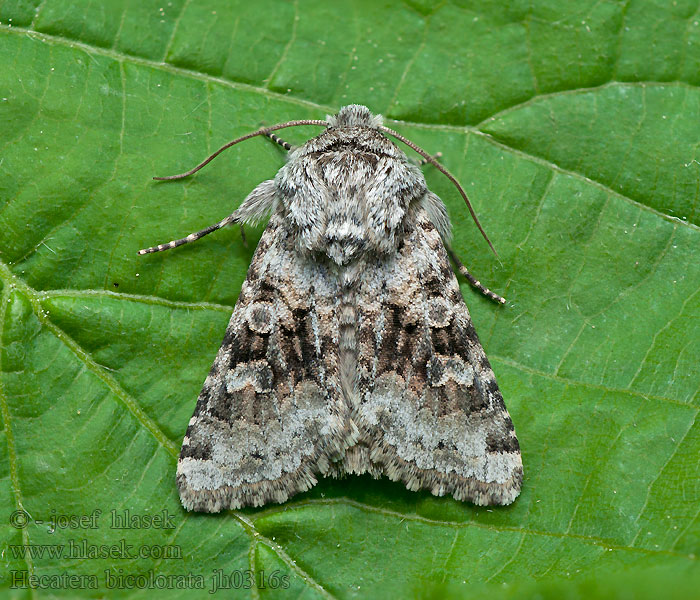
{"type": "Point", "coordinates": [260, 317]}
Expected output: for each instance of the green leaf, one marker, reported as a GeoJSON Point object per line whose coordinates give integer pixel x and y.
{"type": "Point", "coordinates": [573, 127]}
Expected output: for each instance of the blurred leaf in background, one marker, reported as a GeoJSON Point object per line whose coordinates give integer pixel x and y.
{"type": "Point", "coordinates": [573, 126]}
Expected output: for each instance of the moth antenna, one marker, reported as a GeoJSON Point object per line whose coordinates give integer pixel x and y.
{"type": "Point", "coordinates": [436, 156]}
{"type": "Point", "coordinates": [247, 136]}
{"type": "Point", "coordinates": [475, 283]}
{"type": "Point", "coordinates": [279, 141]}
{"type": "Point", "coordinates": [444, 171]}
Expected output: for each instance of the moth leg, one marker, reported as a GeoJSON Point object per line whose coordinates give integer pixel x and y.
{"type": "Point", "coordinates": [278, 140]}
{"type": "Point", "coordinates": [193, 237]}
{"type": "Point", "coordinates": [257, 204]}
{"type": "Point", "coordinates": [473, 280]}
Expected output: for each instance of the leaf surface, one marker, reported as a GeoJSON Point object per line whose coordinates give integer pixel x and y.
{"type": "Point", "coordinates": [573, 127]}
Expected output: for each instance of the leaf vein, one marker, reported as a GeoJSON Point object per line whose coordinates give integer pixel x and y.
{"type": "Point", "coordinates": [594, 540]}
{"type": "Point", "coordinates": [9, 436]}
{"type": "Point", "coordinates": [85, 357]}
{"type": "Point", "coordinates": [249, 526]}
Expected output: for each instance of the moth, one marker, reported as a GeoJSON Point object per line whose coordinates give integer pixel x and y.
{"type": "Point", "coordinates": [350, 349]}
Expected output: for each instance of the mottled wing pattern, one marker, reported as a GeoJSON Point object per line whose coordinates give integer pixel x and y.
{"type": "Point", "coordinates": [271, 413]}
{"type": "Point", "coordinates": [428, 407]}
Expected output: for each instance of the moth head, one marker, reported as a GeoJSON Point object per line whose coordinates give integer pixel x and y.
{"type": "Point", "coordinates": [354, 115]}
